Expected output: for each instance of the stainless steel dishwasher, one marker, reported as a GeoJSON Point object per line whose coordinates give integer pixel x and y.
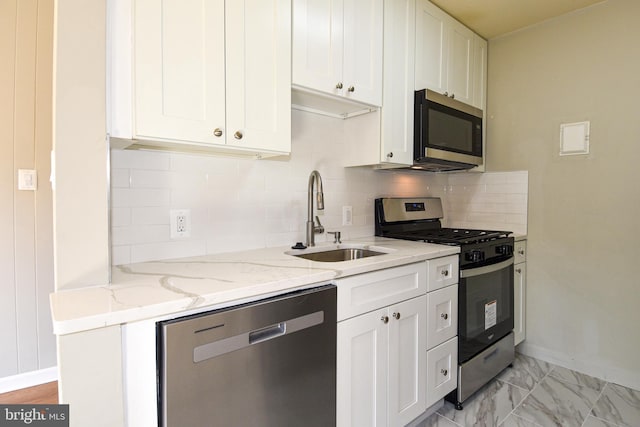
{"type": "Point", "coordinates": [268, 363]}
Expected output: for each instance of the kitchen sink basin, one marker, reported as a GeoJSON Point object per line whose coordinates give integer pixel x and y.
{"type": "Point", "coordinates": [337, 254]}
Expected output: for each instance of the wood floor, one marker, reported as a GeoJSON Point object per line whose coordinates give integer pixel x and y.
{"type": "Point", "coordinates": [38, 395]}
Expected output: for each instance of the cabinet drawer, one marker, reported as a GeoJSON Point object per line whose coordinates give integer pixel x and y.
{"type": "Point", "coordinates": [520, 251]}
{"type": "Point", "coordinates": [442, 272]}
{"type": "Point", "coordinates": [370, 291]}
{"type": "Point", "coordinates": [442, 315]}
{"type": "Point", "coordinates": [442, 370]}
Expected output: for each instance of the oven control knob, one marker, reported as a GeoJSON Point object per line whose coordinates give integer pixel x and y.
{"type": "Point", "coordinates": [474, 256]}
{"type": "Point", "coordinates": [504, 250]}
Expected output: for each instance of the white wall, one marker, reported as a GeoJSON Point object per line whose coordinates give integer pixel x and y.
{"type": "Point", "coordinates": [582, 296]}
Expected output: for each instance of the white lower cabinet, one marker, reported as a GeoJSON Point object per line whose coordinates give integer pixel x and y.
{"type": "Point", "coordinates": [397, 348]}
{"type": "Point", "coordinates": [381, 366]}
{"type": "Point", "coordinates": [442, 370]}
{"type": "Point", "coordinates": [442, 315]}
{"type": "Point", "coordinates": [520, 291]}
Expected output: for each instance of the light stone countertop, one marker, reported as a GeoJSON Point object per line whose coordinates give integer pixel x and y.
{"type": "Point", "coordinates": [153, 289]}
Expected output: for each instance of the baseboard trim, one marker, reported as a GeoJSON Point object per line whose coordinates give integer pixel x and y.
{"type": "Point", "coordinates": [28, 379]}
{"type": "Point", "coordinates": [610, 374]}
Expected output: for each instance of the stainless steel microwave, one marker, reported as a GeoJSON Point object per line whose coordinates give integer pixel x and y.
{"type": "Point", "coordinates": [447, 133]}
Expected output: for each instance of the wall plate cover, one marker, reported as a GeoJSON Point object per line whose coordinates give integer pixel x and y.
{"type": "Point", "coordinates": [27, 179]}
{"type": "Point", "coordinates": [574, 138]}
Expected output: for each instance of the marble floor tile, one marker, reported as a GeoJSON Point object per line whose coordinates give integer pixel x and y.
{"type": "Point", "coordinates": [488, 407]}
{"type": "Point", "coordinates": [573, 377]}
{"type": "Point", "coordinates": [619, 405]}
{"type": "Point", "coordinates": [557, 403]}
{"type": "Point", "coordinates": [437, 420]}
{"type": "Point", "coordinates": [526, 372]}
{"type": "Point", "coordinates": [592, 421]}
{"type": "Point", "coordinates": [516, 421]}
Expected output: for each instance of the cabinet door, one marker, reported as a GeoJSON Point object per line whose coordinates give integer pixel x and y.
{"type": "Point", "coordinates": [407, 361]}
{"type": "Point", "coordinates": [442, 315]}
{"type": "Point", "coordinates": [362, 57]}
{"type": "Point", "coordinates": [318, 44]}
{"type": "Point", "coordinates": [361, 369]}
{"type": "Point", "coordinates": [442, 272]}
{"type": "Point", "coordinates": [179, 69]}
{"type": "Point", "coordinates": [460, 61]}
{"type": "Point", "coordinates": [520, 301]}
{"type": "Point", "coordinates": [398, 83]}
{"type": "Point", "coordinates": [442, 370]}
{"type": "Point", "coordinates": [479, 73]}
{"type": "Point", "coordinates": [432, 40]}
{"type": "Point", "coordinates": [258, 74]}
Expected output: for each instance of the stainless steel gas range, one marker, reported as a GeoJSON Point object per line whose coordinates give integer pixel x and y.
{"type": "Point", "coordinates": [485, 289]}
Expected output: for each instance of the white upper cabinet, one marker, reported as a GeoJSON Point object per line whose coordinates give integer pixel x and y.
{"type": "Point", "coordinates": [450, 58]}
{"type": "Point", "coordinates": [479, 72]}
{"type": "Point", "coordinates": [396, 147]}
{"type": "Point", "coordinates": [337, 48]}
{"type": "Point", "coordinates": [202, 74]}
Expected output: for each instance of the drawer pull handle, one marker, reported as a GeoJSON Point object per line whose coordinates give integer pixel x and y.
{"type": "Point", "coordinates": [518, 270]}
{"type": "Point", "coordinates": [444, 372]}
{"type": "Point", "coordinates": [217, 132]}
{"type": "Point", "coordinates": [385, 319]}
{"type": "Point", "coordinates": [445, 273]}
{"type": "Point", "coordinates": [521, 251]}
{"type": "Point", "coordinates": [339, 85]}
{"type": "Point", "coordinates": [445, 316]}
{"type": "Point", "coordinates": [396, 316]}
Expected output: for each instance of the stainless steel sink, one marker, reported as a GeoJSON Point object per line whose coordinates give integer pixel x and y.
{"type": "Point", "coordinates": [337, 255]}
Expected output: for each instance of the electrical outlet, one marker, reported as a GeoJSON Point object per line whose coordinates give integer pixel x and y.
{"type": "Point", "coordinates": [347, 215]}
{"type": "Point", "coordinates": [180, 220]}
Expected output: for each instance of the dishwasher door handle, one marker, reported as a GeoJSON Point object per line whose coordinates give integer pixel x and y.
{"type": "Point", "coordinates": [268, 333]}
{"type": "Point", "coordinates": [237, 342]}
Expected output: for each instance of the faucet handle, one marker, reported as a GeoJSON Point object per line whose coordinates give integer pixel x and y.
{"type": "Point", "coordinates": [319, 228]}
{"type": "Point", "coordinates": [336, 235]}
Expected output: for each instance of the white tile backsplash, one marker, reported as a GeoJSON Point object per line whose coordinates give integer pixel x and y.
{"type": "Point", "coordinates": [240, 204]}
{"type": "Point", "coordinates": [490, 200]}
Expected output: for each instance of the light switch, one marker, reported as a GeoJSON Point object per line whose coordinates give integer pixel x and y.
{"type": "Point", "coordinates": [27, 179]}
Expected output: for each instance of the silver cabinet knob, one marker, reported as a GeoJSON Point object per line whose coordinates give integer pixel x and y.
{"type": "Point", "coordinates": [385, 319]}
{"type": "Point", "coordinates": [351, 89]}
{"type": "Point", "coordinates": [396, 316]}
{"type": "Point", "coordinates": [445, 273]}
{"type": "Point", "coordinates": [390, 155]}
{"type": "Point", "coordinates": [444, 372]}
{"type": "Point", "coordinates": [339, 85]}
{"type": "Point", "coordinates": [445, 316]}
{"type": "Point", "coordinates": [446, 93]}
{"type": "Point", "coordinates": [518, 270]}
{"type": "Point", "coordinates": [238, 135]}
{"type": "Point", "coordinates": [217, 132]}
{"type": "Point", "coordinates": [521, 251]}
{"type": "Point", "coordinates": [453, 95]}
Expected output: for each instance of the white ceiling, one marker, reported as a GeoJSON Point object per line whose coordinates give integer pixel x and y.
{"type": "Point", "coordinates": [493, 18]}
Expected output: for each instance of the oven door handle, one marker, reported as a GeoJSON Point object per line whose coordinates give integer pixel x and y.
{"type": "Point", "coordinates": [486, 269]}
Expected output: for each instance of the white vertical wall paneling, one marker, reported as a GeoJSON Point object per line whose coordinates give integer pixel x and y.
{"type": "Point", "coordinates": [26, 252]}
{"type": "Point", "coordinates": [8, 332]}
{"type": "Point", "coordinates": [25, 200]}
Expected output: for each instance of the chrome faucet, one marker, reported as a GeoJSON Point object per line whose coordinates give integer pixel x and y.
{"type": "Point", "coordinates": [312, 229]}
